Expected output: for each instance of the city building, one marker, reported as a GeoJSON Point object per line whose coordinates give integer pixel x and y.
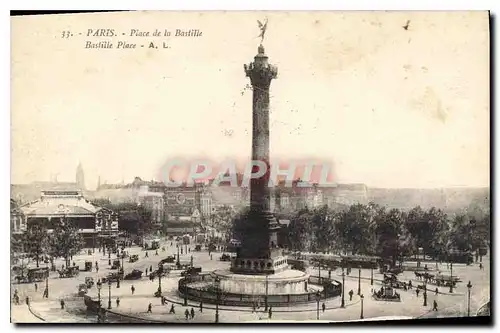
{"type": "Point", "coordinates": [96, 224]}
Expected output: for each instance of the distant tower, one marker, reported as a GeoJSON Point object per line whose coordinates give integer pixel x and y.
{"type": "Point", "coordinates": [80, 178]}
{"type": "Point", "coordinates": [98, 182]}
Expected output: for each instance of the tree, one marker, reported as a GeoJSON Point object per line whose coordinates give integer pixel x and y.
{"type": "Point", "coordinates": [355, 229]}
{"type": "Point", "coordinates": [222, 220]}
{"type": "Point", "coordinates": [438, 232]}
{"type": "Point", "coordinates": [35, 240]}
{"type": "Point", "coordinates": [323, 229]}
{"type": "Point", "coordinates": [300, 230]}
{"type": "Point", "coordinates": [460, 233]}
{"type": "Point", "coordinates": [65, 241]}
{"type": "Point", "coordinates": [394, 241]}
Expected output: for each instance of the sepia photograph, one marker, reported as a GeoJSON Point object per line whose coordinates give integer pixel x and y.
{"type": "Point", "coordinates": [242, 167]}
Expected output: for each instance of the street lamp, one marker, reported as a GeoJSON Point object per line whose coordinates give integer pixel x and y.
{"type": "Point", "coordinates": [342, 304]}
{"type": "Point", "coordinates": [425, 291]}
{"type": "Point", "coordinates": [451, 277]}
{"type": "Point", "coordinates": [371, 276]}
{"type": "Point", "coordinates": [359, 281]}
{"type": "Point", "coordinates": [267, 290]}
{"type": "Point", "coordinates": [217, 286]}
{"type": "Point", "coordinates": [99, 286]}
{"type": "Point", "coordinates": [160, 271]}
{"type": "Point", "coordinates": [318, 298]}
{"type": "Point", "coordinates": [178, 260]}
{"type": "Point", "coordinates": [361, 315]}
{"type": "Point", "coordinates": [469, 286]}
{"type": "Point", "coordinates": [47, 282]}
{"type": "Point", "coordinates": [109, 295]}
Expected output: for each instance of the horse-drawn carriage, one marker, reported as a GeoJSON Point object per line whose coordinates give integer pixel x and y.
{"type": "Point", "coordinates": [191, 271]}
{"type": "Point", "coordinates": [386, 293]}
{"type": "Point", "coordinates": [113, 277]}
{"type": "Point", "coordinates": [89, 282]}
{"type": "Point", "coordinates": [82, 289]}
{"type": "Point", "coordinates": [134, 275]}
{"type": "Point", "coordinates": [167, 260]}
{"type": "Point", "coordinates": [69, 272]}
{"type": "Point", "coordinates": [225, 257]}
{"type": "Point", "coordinates": [116, 264]}
{"type": "Point", "coordinates": [440, 280]}
{"type": "Point", "coordinates": [88, 266]}
{"type": "Point", "coordinates": [133, 258]}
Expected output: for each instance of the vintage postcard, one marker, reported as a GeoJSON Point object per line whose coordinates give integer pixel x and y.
{"type": "Point", "coordinates": [250, 167]}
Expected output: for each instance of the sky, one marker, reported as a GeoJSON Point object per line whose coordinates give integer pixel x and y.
{"type": "Point", "coordinates": [388, 106]}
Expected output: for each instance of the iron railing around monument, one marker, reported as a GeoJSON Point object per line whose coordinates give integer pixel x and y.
{"type": "Point", "coordinates": [208, 294]}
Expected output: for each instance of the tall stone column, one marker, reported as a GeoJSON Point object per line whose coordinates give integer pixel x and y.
{"type": "Point", "coordinates": [259, 253]}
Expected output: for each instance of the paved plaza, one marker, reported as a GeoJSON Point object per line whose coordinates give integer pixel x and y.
{"type": "Point", "coordinates": [135, 306]}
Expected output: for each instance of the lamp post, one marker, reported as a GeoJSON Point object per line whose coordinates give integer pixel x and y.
{"type": "Point", "coordinates": [371, 276]}
{"type": "Point", "coordinates": [469, 286]}
{"type": "Point", "coordinates": [178, 263]}
{"type": "Point", "coordinates": [361, 315]}
{"type": "Point", "coordinates": [359, 281]}
{"type": "Point", "coordinates": [342, 304]}
{"type": "Point", "coordinates": [267, 290]}
{"type": "Point", "coordinates": [99, 286]}
{"type": "Point", "coordinates": [109, 295]}
{"type": "Point", "coordinates": [217, 286]}
{"type": "Point", "coordinates": [318, 298]}
{"type": "Point", "coordinates": [47, 282]}
{"type": "Point", "coordinates": [160, 273]}
{"type": "Point", "coordinates": [451, 277]}
{"type": "Point", "coordinates": [425, 291]}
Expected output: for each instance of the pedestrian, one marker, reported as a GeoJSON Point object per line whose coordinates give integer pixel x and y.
{"type": "Point", "coordinates": [149, 308]}
{"type": "Point", "coordinates": [186, 314]}
{"type": "Point", "coordinates": [350, 295]}
{"type": "Point", "coordinates": [156, 253]}
{"type": "Point", "coordinates": [182, 251]}
{"type": "Point", "coordinates": [162, 300]}
{"type": "Point", "coordinates": [192, 313]}
{"type": "Point", "coordinates": [151, 268]}
{"type": "Point", "coordinates": [201, 306]}
{"type": "Point", "coordinates": [211, 258]}
{"type": "Point", "coordinates": [118, 302]}
{"type": "Point", "coordinates": [417, 291]}
{"type": "Point", "coordinates": [36, 287]}
{"type": "Point", "coordinates": [480, 266]}
{"type": "Point", "coordinates": [172, 309]}
{"type": "Point", "coordinates": [437, 290]}
{"type": "Point", "coordinates": [323, 307]}
{"type": "Point", "coordinates": [435, 306]}
{"type": "Point", "coordinates": [62, 304]}
{"type": "Point", "coordinates": [253, 307]}
{"type": "Point", "coordinates": [409, 285]}
{"type": "Point", "coordinates": [146, 256]}
{"type": "Point", "coordinates": [189, 250]}
{"type": "Point", "coordinates": [132, 289]}
{"type": "Point", "coordinates": [27, 300]}
{"type": "Point", "coordinates": [270, 312]}
{"type": "Point", "coordinates": [45, 293]}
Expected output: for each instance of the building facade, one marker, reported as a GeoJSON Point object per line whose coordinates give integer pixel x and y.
{"type": "Point", "coordinates": [96, 224]}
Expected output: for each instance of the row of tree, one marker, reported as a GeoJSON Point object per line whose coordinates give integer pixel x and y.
{"type": "Point", "coordinates": [64, 242]}
{"type": "Point", "coordinates": [375, 230]}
